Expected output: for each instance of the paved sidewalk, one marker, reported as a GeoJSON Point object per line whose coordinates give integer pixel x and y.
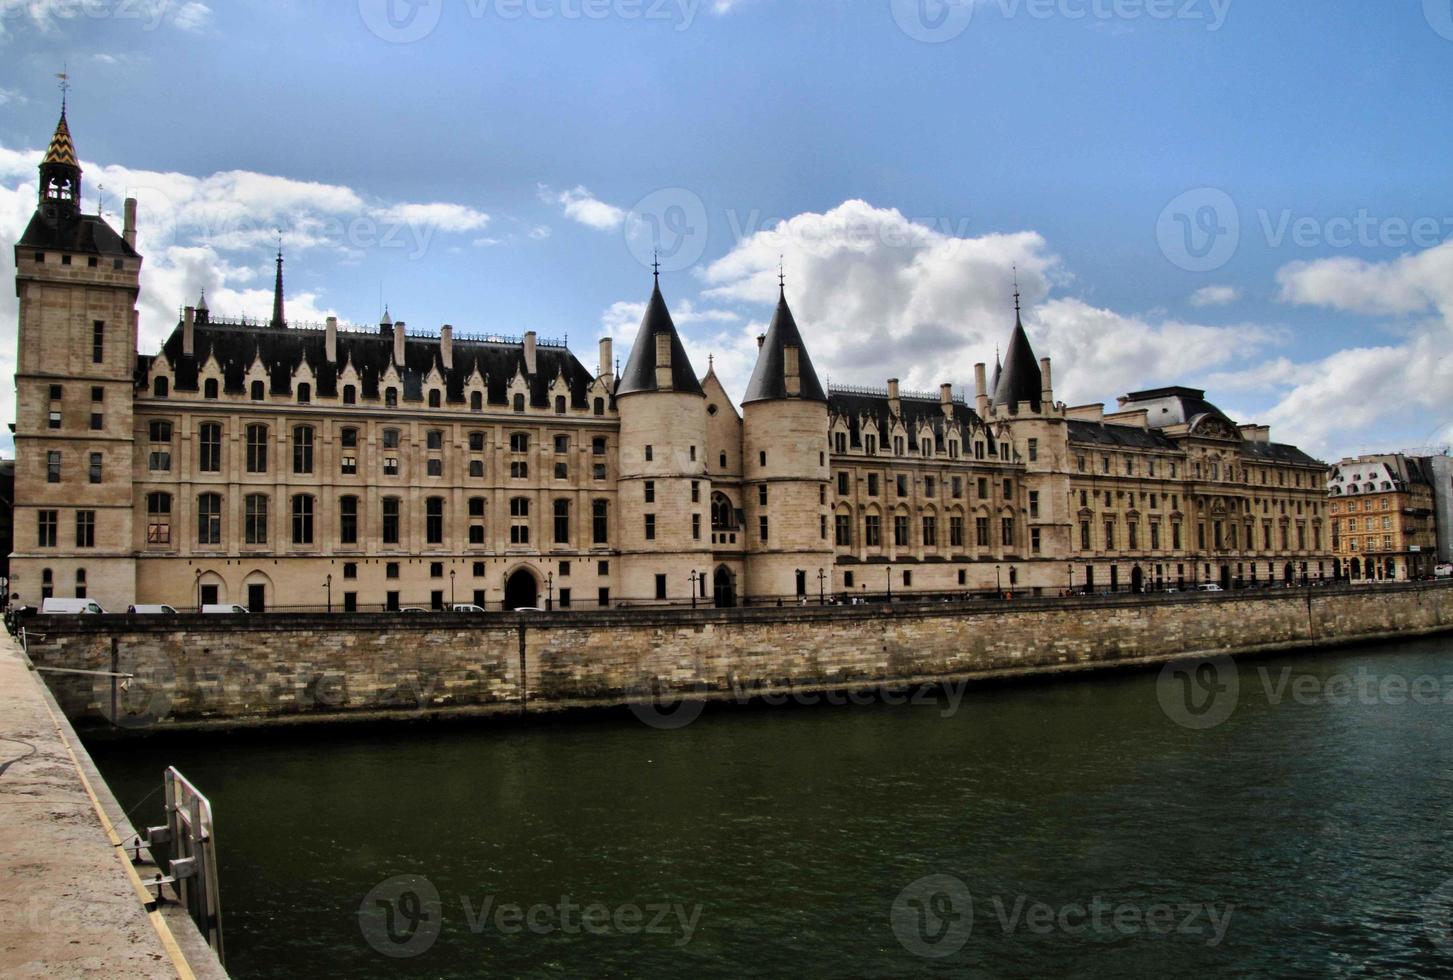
{"type": "Point", "coordinates": [68, 906]}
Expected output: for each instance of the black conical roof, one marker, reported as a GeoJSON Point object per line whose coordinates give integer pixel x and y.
{"type": "Point", "coordinates": [1020, 380]}
{"type": "Point", "coordinates": [640, 374]}
{"type": "Point", "coordinates": [768, 382]}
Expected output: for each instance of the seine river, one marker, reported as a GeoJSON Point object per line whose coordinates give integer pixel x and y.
{"type": "Point", "coordinates": [1282, 817]}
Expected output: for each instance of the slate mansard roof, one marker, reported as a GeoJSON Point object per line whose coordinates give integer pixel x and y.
{"type": "Point", "coordinates": [236, 344]}
{"type": "Point", "coordinates": [866, 410]}
{"type": "Point", "coordinates": [84, 234]}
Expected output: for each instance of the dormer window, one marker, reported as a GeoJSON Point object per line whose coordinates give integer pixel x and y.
{"type": "Point", "coordinates": [391, 397]}
{"type": "Point", "coordinates": [519, 403]}
{"type": "Point", "coordinates": [209, 388]}
{"type": "Point", "coordinates": [434, 398]}
{"type": "Point", "coordinates": [259, 391]}
{"type": "Point", "coordinates": [305, 394]}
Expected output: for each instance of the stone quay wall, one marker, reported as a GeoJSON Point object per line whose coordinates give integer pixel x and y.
{"type": "Point", "coordinates": [210, 671]}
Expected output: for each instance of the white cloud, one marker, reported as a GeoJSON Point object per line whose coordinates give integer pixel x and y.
{"type": "Point", "coordinates": [444, 217]}
{"type": "Point", "coordinates": [1408, 284]}
{"type": "Point", "coordinates": [582, 206]}
{"type": "Point", "coordinates": [878, 295]}
{"type": "Point", "coordinates": [1215, 296]}
{"type": "Point", "coordinates": [216, 233]}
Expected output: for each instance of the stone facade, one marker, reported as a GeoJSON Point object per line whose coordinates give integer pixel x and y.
{"type": "Point", "coordinates": [282, 465]}
{"type": "Point", "coordinates": [196, 670]}
{"type": "Point", "coordinates": [1382, 512]}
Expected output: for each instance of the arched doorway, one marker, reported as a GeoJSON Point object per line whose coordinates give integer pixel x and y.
{"type": "Point", "coordinates": [521, 590]}
{"type": "Point", "coordinates": [1137, 580]}
{"type": "Point", "coordinates": [1356, 569]}
{"type": "Point", "coordinates": [1226, 578]}
{"type": "Point", "coordinates": [1288, 574]}
{"type": "Point", "coordinates": [724, 588]}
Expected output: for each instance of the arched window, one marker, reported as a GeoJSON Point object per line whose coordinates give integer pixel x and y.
{"type": "Point", "coordinates": [160, 431]}
{"type": "Point", "coordinates": [209, 448]}
{"type": "Point", "coordinates": [302, 519]}
{"type": "Point", "coordinates": [559, 404]}
{"type": "Point", "coordinates": [209, 518]}
{"type": "Point", "coordinates": [257, 448]}
{"type": "Point", "coordinates": [305, 393]}
{"type": "Point", "coordinates": [599, 406]}
{"type": "Point", "coordinates": [254, 519]}
{"type": "Point", "coordinates": [519, 403]}
{"type": "Point", "coordinates": [600, 521]}
{"type": "Point", "coordinates": [47, 583]}
{"type": "Point", "coordinates": [80, 583]}
{"type": "Point", "coordinates": [723, 514]}
{"type": "Point", "coordinates": [259, 391]}
{"type": "Point", "coordinates": [391, 397]}
{"type": "Point", "coordinates": [160, 387]}
{"type": "Point", "coordinates": [434, 399]}
{"type": "Point", "coordinates": [350, 395]}
{"type": "Point", "coordinates": [434, 520]}
{"type": "Point", "coordinates": [303, 449]}
{"type": "Point", "coordinates": [209, 388]}
{"type": "Point", "coordinates": [476, 401]}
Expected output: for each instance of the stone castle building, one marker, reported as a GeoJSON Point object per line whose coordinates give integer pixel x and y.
{"type": "Point", "coordinates": [277, 465]}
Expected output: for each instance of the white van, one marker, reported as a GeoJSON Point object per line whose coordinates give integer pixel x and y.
{"type": "Point", "coordinates": [225, 609]}
{"type": "Point", "coordinates": [1209, 587]}
{"type": "Point", "coordinates": [466, 607]}
{"type": "Point", "coordinates": [151, 610]}
{"type": "Point", "coordinates": [71, 607]}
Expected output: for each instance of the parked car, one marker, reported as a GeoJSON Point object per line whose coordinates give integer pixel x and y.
{"type": "Point", "coordinates": [1209, 587]}
{"type": "Point", "coordinates": [225, 609]}
{"type": "Point", "coordinates": [465, 607]}
{"type": "Point", "coordinates": [71, 607]}
{"type": "Point", "coordinates": [1444, 570]}
{"type": "Point", "coordinates": [162, 610]}
{"type": "Point", "coordinates": [413, 609]}
{"type": "Point", "coordinates": [529, 609]}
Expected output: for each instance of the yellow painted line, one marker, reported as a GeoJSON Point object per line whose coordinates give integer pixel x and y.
{"type": "Point", "coordinates": [163, 931]}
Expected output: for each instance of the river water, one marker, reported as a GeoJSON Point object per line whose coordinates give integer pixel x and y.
{"type": "Point", "coordinates": [1279, 817]}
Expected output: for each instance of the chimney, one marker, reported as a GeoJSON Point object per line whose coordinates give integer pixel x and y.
{"type": "Point", "coordinates": [981, 390]}
{"type": "Point", "coordinates": [446, 346]}
{"type": "Point", "coordinates": [128, 227]}
{"type": "Point", "coordinates": [892, 389]}
{"type": "Point", "coordinates": [188, 336]}
{"type": "Point", "coordinates": [529, 352]}
{"type": "Point", "coordinates": [399, 344]}
{"type": "Point", "coordinates": [791, 369]}
{"type": "Point", "coordinates": [663, 361]}
{"type": "Point", "coordinates": [1047, 394]}
{"type": "Point", "coordinates": [330, 340]}
{"type": "Point", "coordinates": [946, 394]}
{"type": "Point", "coordinates": [761, 339]}
{"type": "Point", "coordinates": [607, 357]}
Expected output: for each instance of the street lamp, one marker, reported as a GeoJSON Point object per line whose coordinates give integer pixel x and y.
{"type": "Point", "coordinates": [549, 591]}
{"type": "Point", "coordinates": [694, 578]}
{"type": "Point", "coordinates": [197, 584]}
{"type": "Point", "coordinates": [998, 582]}
{"type": "Point", "coordinates": [1070, 567]}
{"type": "Point", "coordinates": [328, 584]}
{"type": "Point", "coordinates": [821, 587]}
{"type": "Point", "coordinates": [451, 587]}
{"type": "Point", "coordinates": [889, 570]}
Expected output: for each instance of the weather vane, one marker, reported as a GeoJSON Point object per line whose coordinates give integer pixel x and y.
{"type": "Point", "coordinates": [781, 273]}
{"type": "Point", "coordinates": [65, 76]}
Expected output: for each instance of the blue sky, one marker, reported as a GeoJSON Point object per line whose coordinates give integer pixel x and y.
{"type": "Point", "coordinates": [502, 166]}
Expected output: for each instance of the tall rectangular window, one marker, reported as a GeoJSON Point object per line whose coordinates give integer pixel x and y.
{"type": "Point", "coordinates": [158, 518]}
{"type": "Point", "coordinates": [303, 449]}
{"type": "Point", "coordinates": [46, 528]}
{"type": "Point", "coordinates": [390, 529]}
{"type": "Point", "coordinates": [98, 341]}
{"type": "Point", "coordinates": [519, 520]}
{"type": "Point", "coordinates": [600, 522]}
{"type": "Point", "coordinates": [257, 449]}
{"type": "Point", "coordinates": [302, 519]}
{"type": "Point", "coordinates": [254, 526]}
{"type": "Point", "coordinates": [562, 522]}
{"type": "Point", "coordinates": [434, 520]}
{"type": "Point", "coordinates": [209, 448]}
{"type": "Point", "coordinates": [348, 520]}
{"type": "Point", "coordinates": [53, 467]}
{"type": "Point", "coordinates": [85, 529]}
{"type": "Point", "coordinates": [209, 518]}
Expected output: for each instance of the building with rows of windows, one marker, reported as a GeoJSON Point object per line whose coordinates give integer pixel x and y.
{"type": "Point", "coordinates": [1382, 510]}
{"type": "Point", "coordinates": [280, 465]}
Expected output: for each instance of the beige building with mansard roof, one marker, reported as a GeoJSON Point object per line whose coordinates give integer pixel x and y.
{"type": "Point", "coordinates": [279, 465]}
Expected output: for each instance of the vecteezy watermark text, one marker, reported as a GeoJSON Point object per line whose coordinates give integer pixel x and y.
{"type": "Point", "coordinates": [407, 21]}
{"type": "Point", "coordinates": [936, 21]}
{"type": "Point", "coordinates": [934, 917]}
{"type": "Point", "coordinates": [402, 917]}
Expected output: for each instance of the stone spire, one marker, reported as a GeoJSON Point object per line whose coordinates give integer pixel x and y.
{"type": "Point", "coordinates": [278, 320]}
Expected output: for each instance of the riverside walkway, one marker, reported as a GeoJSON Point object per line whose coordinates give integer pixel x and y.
{"type": "Point", "coordinates": [71, 903]}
